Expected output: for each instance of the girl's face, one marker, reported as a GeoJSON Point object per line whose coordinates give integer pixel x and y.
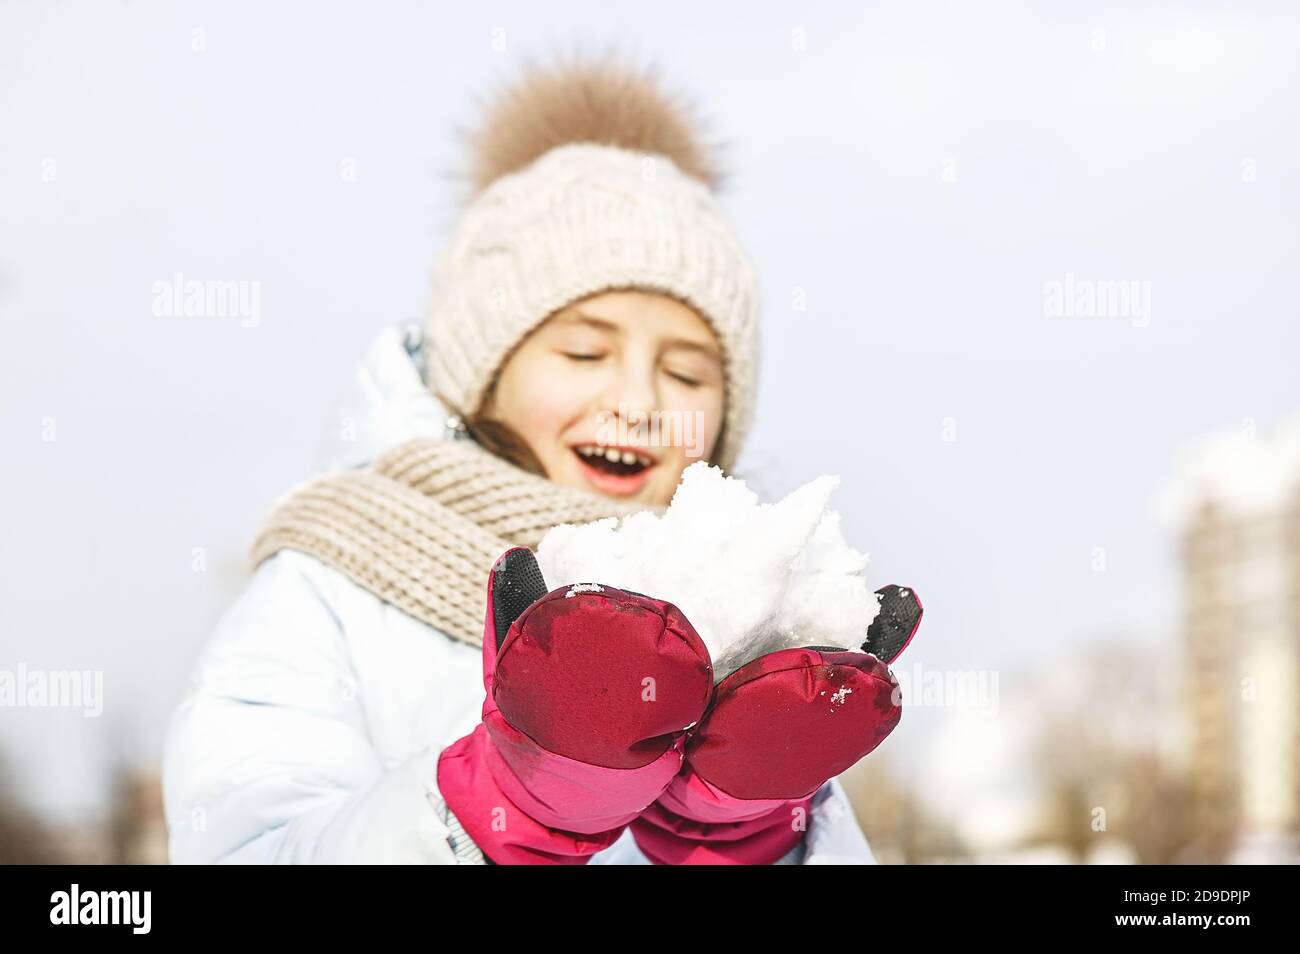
{"type": "Point", "coordinates": [617, 393]}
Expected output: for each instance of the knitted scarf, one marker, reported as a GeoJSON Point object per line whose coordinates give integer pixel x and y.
{"type": "Point", "coordinates": [423, 525]}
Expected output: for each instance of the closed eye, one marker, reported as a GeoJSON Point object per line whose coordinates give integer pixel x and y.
{"type": "Point", "coordinates": [688, 381]}
{"type": "Point", "coordinates": [582, 357]}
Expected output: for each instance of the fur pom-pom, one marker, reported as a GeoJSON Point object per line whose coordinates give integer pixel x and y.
{"type": "Point", "coordinates": [585, 99]}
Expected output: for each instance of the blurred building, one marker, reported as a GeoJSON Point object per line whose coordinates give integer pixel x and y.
{"type": "Point", "coordinates": [1236, 506]}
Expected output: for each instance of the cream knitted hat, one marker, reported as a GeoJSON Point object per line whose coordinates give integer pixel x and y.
{"type": "Point", "coordinates": [590, 181]}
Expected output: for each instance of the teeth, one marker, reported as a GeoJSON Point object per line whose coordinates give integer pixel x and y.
{"type": "Point", "coordinates": [614, 455]}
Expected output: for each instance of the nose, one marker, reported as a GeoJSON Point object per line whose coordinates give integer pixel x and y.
{"type": "Point", "coordinates": [633, 394]}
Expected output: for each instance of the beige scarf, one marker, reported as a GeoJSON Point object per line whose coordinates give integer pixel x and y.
{"type": "Point", "coordinates": [423, 525]}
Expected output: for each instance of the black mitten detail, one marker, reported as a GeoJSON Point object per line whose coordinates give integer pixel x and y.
{"type": "Point", "coordinates": [517, 583]}
{"type": "Point", "coordinates": [892, 629]}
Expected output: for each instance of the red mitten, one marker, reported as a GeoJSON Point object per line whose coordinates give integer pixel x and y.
{"type": "Point", "coordinates": [589, 689]}
{"type": "Point", "coordinates": [779, 727]}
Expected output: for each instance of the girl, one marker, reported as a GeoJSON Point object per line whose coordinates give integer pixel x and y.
{"type": "Point", "coordinates": [337, 713]}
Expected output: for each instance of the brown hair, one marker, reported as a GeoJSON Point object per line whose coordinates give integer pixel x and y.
{"type": "Point", "coordinates": [504, 441]}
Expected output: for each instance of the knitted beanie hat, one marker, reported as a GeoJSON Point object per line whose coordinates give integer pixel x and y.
{"type": "Point", "coordinates": [589, 179]}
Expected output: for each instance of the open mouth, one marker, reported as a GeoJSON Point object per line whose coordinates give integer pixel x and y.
{"type": "Point", "coordinates": [614, 469]}
{"type": "Point", "coordinates": [621, 462]}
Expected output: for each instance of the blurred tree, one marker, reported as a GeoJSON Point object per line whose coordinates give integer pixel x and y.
{"type": "Point", "coordinates": [1097, 755]}
{"type": "Point", "coordinates": [23, 840]}
{"type": "Point", "coordinates": [897, 826]}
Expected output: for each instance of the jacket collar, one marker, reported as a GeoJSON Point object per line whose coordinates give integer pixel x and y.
{"type": "Point", "coordinates": [384, 403]}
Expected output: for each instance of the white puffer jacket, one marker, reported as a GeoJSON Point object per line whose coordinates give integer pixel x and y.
{"type": "Point", "coordinates": [316, 713]}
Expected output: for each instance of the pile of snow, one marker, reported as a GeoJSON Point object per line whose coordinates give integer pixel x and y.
{"type": "Point", "coordinates": [751, 577]}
